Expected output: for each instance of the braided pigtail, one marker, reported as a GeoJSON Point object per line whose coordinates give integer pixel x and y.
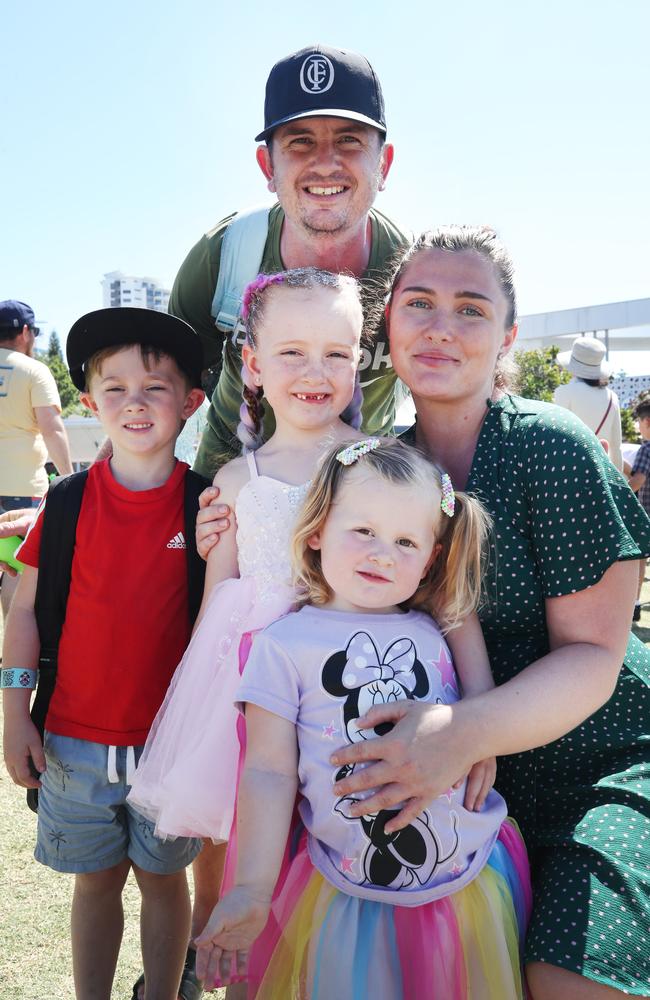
{"type": "Point", "coordinates": [251, 412]}
{"type": "Point", "coordinates": [352, 413]}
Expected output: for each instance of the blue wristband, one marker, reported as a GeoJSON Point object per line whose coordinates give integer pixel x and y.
{"type": "Point", "coordinates": [18, 677]}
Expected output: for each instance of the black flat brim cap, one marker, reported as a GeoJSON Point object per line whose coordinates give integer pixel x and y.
{"type": "Point", "coordinates": [127, 325]}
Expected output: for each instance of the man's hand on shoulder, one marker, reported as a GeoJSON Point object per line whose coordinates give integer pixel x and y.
{"type": "Point", "coordinates": [213, 518]}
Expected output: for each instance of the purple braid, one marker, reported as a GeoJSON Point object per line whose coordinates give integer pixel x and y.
{"type": "Point", "coordinates": [251, 411]}
{"type": "Point", "coordinates": [352, 413]}
{"type": "Point", "coordinates": [249, 428]}
{"type": "Point", "coordinates": [254, 289]}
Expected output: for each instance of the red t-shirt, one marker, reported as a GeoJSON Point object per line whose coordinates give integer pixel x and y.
{"type": "Point", "coordinates": [127, 620]}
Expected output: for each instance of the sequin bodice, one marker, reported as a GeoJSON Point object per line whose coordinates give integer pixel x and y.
{"type": "Point", "coordinates": [266, 511]}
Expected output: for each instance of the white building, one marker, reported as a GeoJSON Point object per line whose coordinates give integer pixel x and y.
{"type": "Point", "coordinates": [622, 326]}
{"type": "Point", "coordinates": [125, 290]}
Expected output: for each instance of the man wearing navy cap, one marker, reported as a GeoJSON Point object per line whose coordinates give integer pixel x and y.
{"type": "Point", "coordinates": [325, 156]}
{"type": "Point", "coordinates": [30, 419]}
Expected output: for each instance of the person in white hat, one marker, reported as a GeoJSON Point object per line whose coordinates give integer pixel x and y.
{"type": "Point", "coordinates": [588, 395]}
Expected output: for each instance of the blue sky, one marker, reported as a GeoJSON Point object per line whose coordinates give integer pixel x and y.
{"type": "Point", "coordinates": [127, 131]}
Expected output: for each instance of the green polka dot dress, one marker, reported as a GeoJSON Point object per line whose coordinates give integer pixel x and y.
{"type": "Point", "coordinates": [562, 516]}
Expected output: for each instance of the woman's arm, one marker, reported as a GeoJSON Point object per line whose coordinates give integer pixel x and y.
{"type": "Point", "coordinates": [264, 806]}
{"type": "Point", "coordinates": [432, 746]}
{"type": "Point", "coordinates": [588, 635]}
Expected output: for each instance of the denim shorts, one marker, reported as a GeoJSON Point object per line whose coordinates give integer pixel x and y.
{"type": "Point", "coordinates": [85, 823]}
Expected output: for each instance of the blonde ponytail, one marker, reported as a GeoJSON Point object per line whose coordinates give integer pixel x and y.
{"type": "Point", "coordinates": [452, 588]}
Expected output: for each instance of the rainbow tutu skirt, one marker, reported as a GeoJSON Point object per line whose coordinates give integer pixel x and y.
{"type": "Point", "coordinates": [322, 944]}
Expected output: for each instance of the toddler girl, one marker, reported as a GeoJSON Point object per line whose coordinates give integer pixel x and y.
{"type": "Point", "coordinates": [301, 352]}
{"type": "Point", "coordinates": [438, 907]}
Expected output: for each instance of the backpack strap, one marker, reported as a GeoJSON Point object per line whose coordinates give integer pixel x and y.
{"type": "Point", "coordinates": [610, 400]}
{"type": "Point", "coordinates": [194, 486]}
{"type": "Point", "coordinates": [242, 249]}
{"type": "Point", "coordinates": [60, 516]}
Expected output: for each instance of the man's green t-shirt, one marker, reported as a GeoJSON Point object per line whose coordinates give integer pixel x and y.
{"type": "Point", "coordinates": [191, 300]}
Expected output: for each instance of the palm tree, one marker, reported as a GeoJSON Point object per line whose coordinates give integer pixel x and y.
{"type": "Point", "coordinates": [65, 770]}
{"type": "Point", "coordinates": [57, 837]}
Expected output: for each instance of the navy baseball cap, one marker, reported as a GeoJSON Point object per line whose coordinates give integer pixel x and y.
{"type": "Point", "coordinates": [321, 81]}
{"type": "Point", "coordinates": [14, 315]}
{"type": "Point", "coordinates": [125, 325]}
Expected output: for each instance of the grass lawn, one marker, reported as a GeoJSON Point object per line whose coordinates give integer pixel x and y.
{"type": "Point", "coordinates": [35, 961]}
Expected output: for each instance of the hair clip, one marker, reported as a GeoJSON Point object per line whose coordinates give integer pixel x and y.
{"type": "Point", "coordinates": [448, 501]}
{"type": "Point", "coordinates": [256, 286]}
{"type": "Point", "coordinates": [354, 451]}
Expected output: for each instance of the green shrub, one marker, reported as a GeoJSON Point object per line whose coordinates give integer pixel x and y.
{"type": "Point", "coordinates": [539, 373]}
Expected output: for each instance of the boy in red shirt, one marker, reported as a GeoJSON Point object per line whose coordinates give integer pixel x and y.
{"type": "Point", "coordinates": [126, 625]}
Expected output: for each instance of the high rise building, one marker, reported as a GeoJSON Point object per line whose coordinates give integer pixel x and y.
{"type": "Point", "coordinates": [125, 290]}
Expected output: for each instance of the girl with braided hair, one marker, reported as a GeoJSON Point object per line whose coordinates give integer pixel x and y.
{"type": "Point", "coordinates": [301, 354]}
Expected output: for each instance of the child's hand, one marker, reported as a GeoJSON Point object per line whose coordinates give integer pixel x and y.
{"type": "Point", "coordinates": [15, 522]}
{"type": "Point", "coordinates": [211, 520]}
{"type": "Point", "coordinates": [22, 745]}
{"type": "Point", "coordinates": [223, 945]}
{"type": "Point", "coordinates": [479, 782]}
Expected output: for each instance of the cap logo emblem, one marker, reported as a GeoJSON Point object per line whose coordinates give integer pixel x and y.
{"type": "Point", "coordinates": [316, 74]}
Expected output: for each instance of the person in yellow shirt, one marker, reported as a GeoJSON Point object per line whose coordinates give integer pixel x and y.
{"type": "Point", "coordinates": [31, 428]}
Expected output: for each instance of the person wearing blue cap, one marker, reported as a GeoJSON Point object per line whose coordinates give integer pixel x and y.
{"type": "Point", "coordinates": [31, 427]}
{"type": "Point", "coordinates": [325, 156]}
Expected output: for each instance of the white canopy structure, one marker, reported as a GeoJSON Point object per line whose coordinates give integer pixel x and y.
{"type": "Point", "coordinates": [85, 435]}
{"type": "Point", "coordinates": [623, 326]}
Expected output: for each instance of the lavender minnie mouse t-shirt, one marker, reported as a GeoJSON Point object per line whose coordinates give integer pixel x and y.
{"type": "Point", "coordinates": [323, 669]}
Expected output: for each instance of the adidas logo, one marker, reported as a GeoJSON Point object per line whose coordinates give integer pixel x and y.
{"type": "Point", "coordinates": [177, 542]}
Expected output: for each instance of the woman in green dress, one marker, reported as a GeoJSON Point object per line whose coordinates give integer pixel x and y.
{"type": "Point", "coordinates": [570, 724]}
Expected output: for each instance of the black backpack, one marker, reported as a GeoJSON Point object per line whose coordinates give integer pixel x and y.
{"type": "Point", "coordinates": [58, 537]}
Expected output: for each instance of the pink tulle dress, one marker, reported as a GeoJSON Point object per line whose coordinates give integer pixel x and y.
{"type": "Point", "coordinates": [186, 778]}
